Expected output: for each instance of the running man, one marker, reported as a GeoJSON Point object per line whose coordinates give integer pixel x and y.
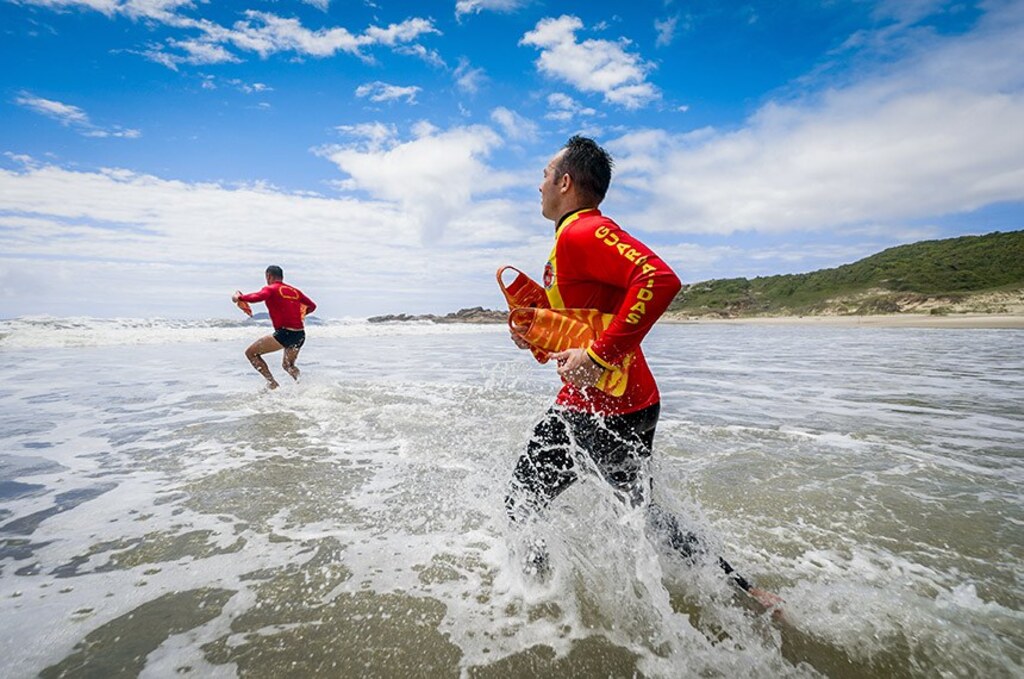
{"type": "Point", "coordinates": [287, 307]}
{"type": "Point", "coordinates": [595, 264]}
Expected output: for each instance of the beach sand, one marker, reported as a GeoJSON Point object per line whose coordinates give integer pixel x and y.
{"type": "Point", "coordinates": [977, 321]}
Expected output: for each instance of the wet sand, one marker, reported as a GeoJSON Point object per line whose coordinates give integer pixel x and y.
{"type": "Point", "coordinates": [976, 321]}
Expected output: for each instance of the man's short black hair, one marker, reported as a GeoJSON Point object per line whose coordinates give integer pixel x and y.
{"type": "Point", "coordinates": [590, 167]}
{"type": "Point", "coordinates": [276, 272]}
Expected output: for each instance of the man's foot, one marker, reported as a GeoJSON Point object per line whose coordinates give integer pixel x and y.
{"type": "Point", "coordinates": [294, 372]}
{"type": "Point", "coordinates": [536, 563]}
{"type": "Point", "coordinates": [272, 384]}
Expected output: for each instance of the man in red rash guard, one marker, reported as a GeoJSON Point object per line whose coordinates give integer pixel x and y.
{"type": "Point", "coordinates": [594, 264]}
{"type": "Point", "coordinates": [288, 307]}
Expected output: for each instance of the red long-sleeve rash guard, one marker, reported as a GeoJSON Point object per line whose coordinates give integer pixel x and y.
{"type": "Point", "coordinates": [284, 304]}
{"type": "Point", "coordinates": [596, 265]}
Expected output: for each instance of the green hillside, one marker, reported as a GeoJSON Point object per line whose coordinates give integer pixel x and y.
{"type": "Point", "coordinates": [940, 271]}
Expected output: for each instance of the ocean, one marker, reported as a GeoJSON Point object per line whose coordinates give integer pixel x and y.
{"type": "Point", "coordinates": [162, 514]}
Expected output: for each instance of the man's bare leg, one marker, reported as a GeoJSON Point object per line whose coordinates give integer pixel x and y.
{"type": "Point", "coordinates": [264, 345]}
{"type": "Point", "coordinates": [291, 354]}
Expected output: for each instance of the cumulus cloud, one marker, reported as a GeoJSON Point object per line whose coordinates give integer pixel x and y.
{"type": "Point", "coordinates": [601, 66]}
{"type": "Point", "coordinates": [437, 176]}
{"type": "Point", "coordinates": [142, 235]}
{"type": "Point", "coordinates": [937, 133]}
{"type": "Point", "coordinates": [72, 116]}
{"type": "Point", "coordinates": [380, 91]}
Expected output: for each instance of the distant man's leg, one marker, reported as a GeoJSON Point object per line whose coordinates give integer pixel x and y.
{"type": "Point", "coordinates": [264, 345]}
{"type": "Point", "coordinates": [291, 354]}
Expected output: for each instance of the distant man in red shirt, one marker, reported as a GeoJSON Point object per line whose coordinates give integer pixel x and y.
{"type": "Point", "coordinates": [287, 306]}
{"type": "Point", "coordinates": [594, 264]}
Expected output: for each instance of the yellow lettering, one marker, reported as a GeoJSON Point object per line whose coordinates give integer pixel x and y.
{"type": "Point", "coordinates": [631, 254]}
{"type": "Point", "coordinates": [649, 268]}
{"type": "Point", "coordinates": [639, 307]}
{"type": "Point", "coordinates": [622, 247]}
{"type": "Point", "coordinates": [650, 282]}
{"type": "Point", "coordinates": [641, 260]}
{"type": "Point", "coordinates": [633, 319]}
{"type": "Point", "coordinates": [645, 295]}
{"type": "Point", "coordinates": [612, 239]}
{"type": "Point", "coordinates": [601, 232]}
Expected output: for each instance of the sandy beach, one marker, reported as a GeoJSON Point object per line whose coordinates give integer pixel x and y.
{"type": "Point", "coordinates": [976, 321]}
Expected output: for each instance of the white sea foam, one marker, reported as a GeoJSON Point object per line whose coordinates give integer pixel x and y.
{"type": "Point", "coordinates": [46, 332]}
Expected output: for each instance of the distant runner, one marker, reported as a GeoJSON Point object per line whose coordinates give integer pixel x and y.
{"type": "Point", "coordinates": [288, 307]}
{"type": "Point", "coordinates": [594, 264]}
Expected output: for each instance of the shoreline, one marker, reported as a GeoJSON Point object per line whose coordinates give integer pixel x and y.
{"type": "Point", "coordinates": [966, 321]}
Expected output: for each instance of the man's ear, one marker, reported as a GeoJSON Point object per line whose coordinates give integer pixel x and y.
{"type": "Point", "coordinates": [565, 183]}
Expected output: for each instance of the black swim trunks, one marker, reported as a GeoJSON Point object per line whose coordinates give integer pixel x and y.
{"type": "Point", "coordinates": [290, 339]}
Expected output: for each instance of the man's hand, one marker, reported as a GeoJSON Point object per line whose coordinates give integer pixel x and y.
{"type": "Point", "coordinates": [576, 366]}
{"type": "Point", "coordinates": [234, 297]}
{"type": "Point", "coordinates": [519, 341]}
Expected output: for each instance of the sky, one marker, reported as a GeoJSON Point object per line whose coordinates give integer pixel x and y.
{"type": "Point", "coordinates": [156, 155]}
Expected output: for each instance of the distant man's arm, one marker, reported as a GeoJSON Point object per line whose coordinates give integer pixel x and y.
{"type": "Point", "coordinates": [310, 304]}
{"type": "Point", "coordinates": [258, 296]}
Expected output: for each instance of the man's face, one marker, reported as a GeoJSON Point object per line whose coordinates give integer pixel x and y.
{"type": "Point", "coordinates": [550, 195]}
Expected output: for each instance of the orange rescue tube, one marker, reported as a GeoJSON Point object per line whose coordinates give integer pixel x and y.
{"type": "Point", "coordinates": [244, 306]}
{"type": "Point", "coordinates": [551, 330]}
{"type": "Point", "coordinates": [524, 292]}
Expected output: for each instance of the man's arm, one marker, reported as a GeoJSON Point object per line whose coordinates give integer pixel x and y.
{"type": "Point", "coordinates": [614, 257]}
{"type": "Point", "coordinates": [258, 296]}
{"type": "Point", "coordinates": [310, 305]}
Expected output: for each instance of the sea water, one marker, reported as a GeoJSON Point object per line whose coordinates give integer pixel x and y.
{"type": "Point", "coordinates": [162, 514]}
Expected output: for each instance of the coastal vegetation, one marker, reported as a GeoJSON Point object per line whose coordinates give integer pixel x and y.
{"type": "Point", "coordinates": [980, 274]}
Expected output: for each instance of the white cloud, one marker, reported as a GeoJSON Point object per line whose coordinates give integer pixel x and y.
{"type": "Point", "coordinates": [260, 32]}
{"type": "Point", "coordinates": [376, 136]}
{"type": "Point", "coordinates": [439, 177]}
{"type": "Point", "coordinates": [65, 114]}
{"type": "Point", "coordinates": [141, 235]}
{"type": "Point", "coordinates": [515, 126]}
{"type": "Point", "coordinates": [463, 7]}
{"type": "Point", "coordinates": [666, 31]}
{"type": "Point", "coordinates": [379, 91]}
{"type": "Point", "coordinates": [564, 108]}
{"type": "Point", "coordinates": [601, 66]}
{"type": "Point", "coordinates": [136, 9]}
{"type": "Point", "coordinates": [939, 132]}
{"type": "Point", "coordinates": [432, 57]}
{"type": "Point", "coordinates": [72, 116]}
{"type": "Point", "coordinates": [195, 52]}
{"type": "Point", "coordinates": [467, 78]}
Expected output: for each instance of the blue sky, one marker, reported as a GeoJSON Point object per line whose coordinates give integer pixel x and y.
{"type": "Point", "coordinates": [158, 154]}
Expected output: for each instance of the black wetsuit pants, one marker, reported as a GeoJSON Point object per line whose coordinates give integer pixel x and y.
{"type": "Point", "coordinates": [616, 447]}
